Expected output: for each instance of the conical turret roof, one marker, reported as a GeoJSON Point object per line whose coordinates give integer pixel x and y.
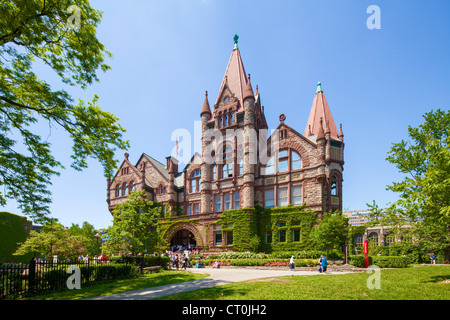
{"type": "Point", "coordinates": [320, 110]}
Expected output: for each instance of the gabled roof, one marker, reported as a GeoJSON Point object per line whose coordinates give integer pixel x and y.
{"type": "Point", "coordinates": [320, 110]}
{"type": "Point", "coordinates": [283, 124]}
{"type": "Point", "coordinates": [192, 161]}
{"type": "Point", "coordinates": [158, 165]}
{"type": "Point", "coordinates": [235, 77]}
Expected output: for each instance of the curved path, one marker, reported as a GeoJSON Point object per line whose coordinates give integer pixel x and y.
{"type": "Point", "coordinates": [217, 277]}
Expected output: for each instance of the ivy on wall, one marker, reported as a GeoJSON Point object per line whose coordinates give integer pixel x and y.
{"type": "Point", "coordinates": [282, 222]}
{"type": "Point", "coordinates": [245, 223]}
{"type": "Point", "coordinates": [13, 230]}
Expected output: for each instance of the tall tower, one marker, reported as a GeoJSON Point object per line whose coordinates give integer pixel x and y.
{"type": "Point", "coordinates": [321, 127]}
{"type": "Point", "coordinates": [237, 110]}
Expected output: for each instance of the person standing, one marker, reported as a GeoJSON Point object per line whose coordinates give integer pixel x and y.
{"type": "Point", "coordinates": [292, 263]}
{"type": "Point", "coordinates": [433, 258]}
{"type": "Point", "coordinates": [324, 264]}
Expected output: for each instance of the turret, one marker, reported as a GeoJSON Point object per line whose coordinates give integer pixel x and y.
{"type": "Point", "coordinates": [205, 192]}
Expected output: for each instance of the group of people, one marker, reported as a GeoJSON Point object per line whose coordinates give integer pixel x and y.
{"type": "Point", "coordinates": [179, 261]}
{"type": "Point", "coordinates": [180, 248]}
{"type": "Point", "coordinates": [96, 259]}
{"type": "Point", "coordinates": [323, 264]}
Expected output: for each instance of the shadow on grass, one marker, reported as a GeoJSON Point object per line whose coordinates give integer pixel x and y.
{"type": "Point", "coordinates": [212, 293]}
{"type": "Point", "coordinates": [437, 279]}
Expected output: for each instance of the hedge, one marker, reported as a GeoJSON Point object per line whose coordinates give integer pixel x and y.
{"type": "Point", "coordinates": [142, 261]}
{"type": "Point", "coordinates": [380, 261]}
{"type": "Point", "coordinates": [262, 262]}
{"type": "Point", "coordinates": [57, 278]}
{"type": "Point", "coordinates": [310, 254]}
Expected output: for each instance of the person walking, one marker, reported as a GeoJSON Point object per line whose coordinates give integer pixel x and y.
{"type": "Point", "coordinates": [184, 262]}
{"type": "Point", "coordinates": [292, 263]}
{"type": "Point", "coordinates": [320, 264]}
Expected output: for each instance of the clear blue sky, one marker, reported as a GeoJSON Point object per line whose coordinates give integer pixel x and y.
{"type": "Point", "coordinates": [167, 53]}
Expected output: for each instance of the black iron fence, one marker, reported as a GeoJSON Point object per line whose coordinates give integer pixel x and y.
{"type": "Point", "coordinates": [38, 276]}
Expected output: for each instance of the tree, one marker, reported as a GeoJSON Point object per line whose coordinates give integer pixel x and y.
{"type": "Point", "coordinates": [53, 239]}
{"type": "Point", "coordinates": [42, 31]}
{"type": "Point", "coordinates": [330, 232]}
{"type": "Point", "coordinates": [135, 226]}
{"type": "Point", "coordinates": [88, 231]}
{"type": "Point", "coordinates": [425, 190]}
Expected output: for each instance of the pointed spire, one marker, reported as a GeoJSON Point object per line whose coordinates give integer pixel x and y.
{"type": "Point", "coordinates": [206, 109]}
{"type": "Point", "coordinates": [248, 90]}
{"type": "Point", "coordinates": [235, 78]}
{"type": "Point", "coordinates": [341, 133]}
{"type": "Point", "coordinates": [320, 110]}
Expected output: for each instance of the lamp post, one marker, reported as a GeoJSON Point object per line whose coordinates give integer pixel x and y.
{"type": "Point", "coordinates": [98, 235]}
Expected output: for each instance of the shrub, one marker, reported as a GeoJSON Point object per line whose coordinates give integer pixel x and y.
{"type": "Point", "coordinates": [242, 255]}
{"type": "Point", "coordinates": [262, 262]}
{"type": "Point", "coordinates": [359, 261]}
{"type": "Point", "coordinates": [310, 254]}
{"type": "Point", "coordinates": [142, 261]}
{"type": "Point", "coordinates": [382, 262]}
{"type": "Point", "coordinates": [391, 262]}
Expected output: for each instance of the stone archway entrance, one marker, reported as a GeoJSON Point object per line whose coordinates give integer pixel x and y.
{"type": "Point", "coordinates": [183, 238]}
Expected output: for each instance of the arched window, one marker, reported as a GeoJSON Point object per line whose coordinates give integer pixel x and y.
{"type": "Point", "coordinates": [214, 173]}
{"type": "Point", "coordinates": [282, 161]}
{"type": "Point", "coordinates": [132, 186]}
{"type": "Point", "coordinates": [334, 186]}
{"type": "Point", "coordinates": [125, 189]}
{"type": "Point", "coordinates": [373, 239]}
{"type": "Point", "coordinates": [195, 181]}
{"type": "Point", "coordinates": [270, 167]}
{"type": "Point", "coordinates": [358, 240]}
{"type": "Point", "coordinates": [389, 238]}
{"type": "Point", "coordinates": [118, 190]}
{"type": "Point", "coordinates": [296, 161]}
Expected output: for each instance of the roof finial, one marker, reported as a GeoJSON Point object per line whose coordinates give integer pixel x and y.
{"type": "Point", "coordinates": [235, 39]}
{"type": "Point", "coordinates": [319, 87]}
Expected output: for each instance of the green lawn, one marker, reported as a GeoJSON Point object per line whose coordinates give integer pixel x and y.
{"type": "Point", "coordinates": [148, 280]}
{"type": "Point", "coordinates": [413, 283]}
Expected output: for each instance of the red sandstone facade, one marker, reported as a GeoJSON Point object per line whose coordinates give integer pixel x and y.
{"type": "Point", "coordinates": [307, 168]}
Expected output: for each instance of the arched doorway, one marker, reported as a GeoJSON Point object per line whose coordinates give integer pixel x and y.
{"type": "Point", "coordinates": [184, 238]}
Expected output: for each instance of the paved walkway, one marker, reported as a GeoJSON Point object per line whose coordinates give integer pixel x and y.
{"type": "Point", "coordinates": [218, 277]}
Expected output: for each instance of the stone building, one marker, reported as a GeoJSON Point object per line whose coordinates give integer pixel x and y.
{"type": "Point", "coordinates": [236, 170]}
